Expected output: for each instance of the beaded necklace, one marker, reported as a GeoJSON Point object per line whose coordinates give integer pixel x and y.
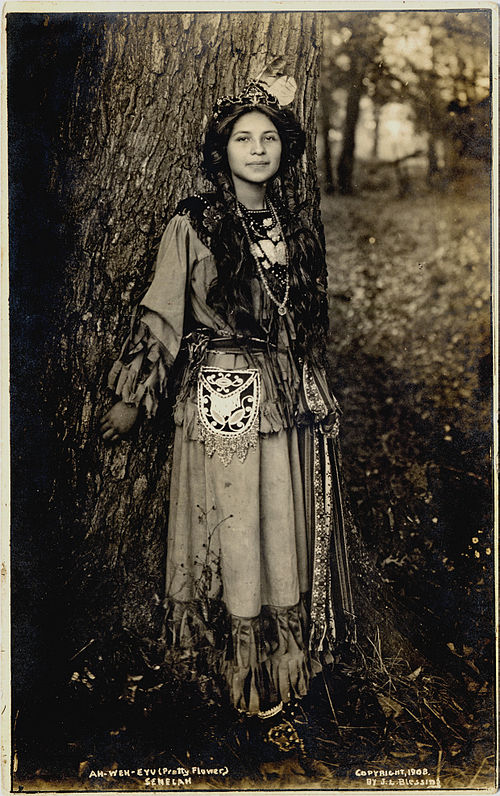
{"type": "Point", "coordinates": [269, 252]}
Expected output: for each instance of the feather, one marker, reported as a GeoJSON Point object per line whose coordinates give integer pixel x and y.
{"type": "Point", "coordinates": [283, 88]}
{"type": "Point", "coordinates": [273, 69]}
{"type": "Point", "coordinates": [274, 80]}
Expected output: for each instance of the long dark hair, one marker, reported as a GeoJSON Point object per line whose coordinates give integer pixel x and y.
{"type": "Point", "coordinates": [230, 293]}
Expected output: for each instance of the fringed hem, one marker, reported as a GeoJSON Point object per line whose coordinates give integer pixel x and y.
{"type": "Point", "coordinates": [263, 660]}
{"type": "Point", "coordinates": [269, 661]}
{"type": "Point", "coordinates": [140, 375]}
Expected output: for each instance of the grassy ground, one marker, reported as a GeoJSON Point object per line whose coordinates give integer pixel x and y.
{"type": "Point", "coordinates": [409, 299]}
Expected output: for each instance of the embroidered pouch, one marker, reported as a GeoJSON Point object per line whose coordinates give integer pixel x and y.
{"type": "Point", "coordinates": [228, 411]}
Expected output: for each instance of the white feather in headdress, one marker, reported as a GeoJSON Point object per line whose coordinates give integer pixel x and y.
{"type": "Point", "coordinates": [276, 82]}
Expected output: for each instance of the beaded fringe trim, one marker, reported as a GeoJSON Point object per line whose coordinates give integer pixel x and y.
{"type": "Point", "coordinates": [227, 447]}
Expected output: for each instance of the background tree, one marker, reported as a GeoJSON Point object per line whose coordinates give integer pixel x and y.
{"type": "Point", "coordinates": [325, 123]}
{"type": "Point", "coordinates": [364, 43]}
{"type": "Point", "coordinates": [432, 63]}
{"type": "Point", "coordinates": [351, 43]}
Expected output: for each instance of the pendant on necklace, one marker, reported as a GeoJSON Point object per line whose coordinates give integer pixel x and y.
{"type": "Point", "coordinates": [269, 250]}
{"type": "Point", "coordinates": [280, 252]}
{"type": "Point", "coordinates": [281, 310]}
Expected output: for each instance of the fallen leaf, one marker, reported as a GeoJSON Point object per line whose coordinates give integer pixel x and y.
{"type": "Point", "coordinates": [389, 705]}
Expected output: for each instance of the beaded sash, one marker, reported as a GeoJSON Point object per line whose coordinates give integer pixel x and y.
{"type": "Point", "coordinates": [228, 411]}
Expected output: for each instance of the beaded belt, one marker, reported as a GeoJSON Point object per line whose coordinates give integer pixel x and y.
{"type": "Point", "coordinates": [237, 345]}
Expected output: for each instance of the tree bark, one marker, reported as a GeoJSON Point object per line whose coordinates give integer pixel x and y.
{"type": "Point", "coordinates": [144, 87]}
{"type": "Point", "coordinates": [346, 161]}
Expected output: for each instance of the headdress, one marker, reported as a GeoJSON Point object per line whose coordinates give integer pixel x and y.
{"type": "Point", "coordinates": [271, 88]}
{"type": "Point", "coordinates": [252, 94]}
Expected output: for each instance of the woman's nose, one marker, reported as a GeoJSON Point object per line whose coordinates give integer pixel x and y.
{"type": "Point", "coordinates": [257, 147]}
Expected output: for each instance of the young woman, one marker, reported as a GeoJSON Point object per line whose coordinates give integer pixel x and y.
{"type": "Point", "coordinates": [237, 311]}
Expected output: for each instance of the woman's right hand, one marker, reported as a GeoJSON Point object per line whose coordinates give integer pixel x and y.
{"type": "Point", "coordinates": [118, 421]}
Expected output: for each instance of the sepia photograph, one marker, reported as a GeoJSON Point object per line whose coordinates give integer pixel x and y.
{"type": "Point", "coordinates": [252, 266]}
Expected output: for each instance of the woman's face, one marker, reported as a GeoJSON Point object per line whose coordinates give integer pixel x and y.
{"type": "Point", "coordinates": [254, 148]}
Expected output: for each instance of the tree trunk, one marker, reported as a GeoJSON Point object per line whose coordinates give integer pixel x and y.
{"type": "Point", "coordinates": [376, 130]}
{"type": "Point", "coordinates": [346, 160]}
{"type": "Point", "coordinates": [434, 113]}
{"type": "Point", "coordinates": [432, 160]}
{"type": "Point", "coordinates": [144, 87]}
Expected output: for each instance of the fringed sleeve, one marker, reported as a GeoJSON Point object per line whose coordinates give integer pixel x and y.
{"type": "Point", "coordinates": [139, 376]}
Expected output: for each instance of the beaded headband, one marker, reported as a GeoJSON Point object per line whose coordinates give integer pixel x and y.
{"type": "Point", "coordinates": [253, 94]}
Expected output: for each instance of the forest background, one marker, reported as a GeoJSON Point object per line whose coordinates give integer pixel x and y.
{"type": "Point", "coordinates": [404, 165]}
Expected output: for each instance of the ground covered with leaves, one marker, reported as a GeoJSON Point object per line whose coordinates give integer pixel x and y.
{"type": "Point", "coordinates": [409, 349]}
{"type": "Point", "coordinates": [411, 362]}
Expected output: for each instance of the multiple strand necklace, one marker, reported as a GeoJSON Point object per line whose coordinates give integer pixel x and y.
{"type": "Point", "coordinates": [269, 250]}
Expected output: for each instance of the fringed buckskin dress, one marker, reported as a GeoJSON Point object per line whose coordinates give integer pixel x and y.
{"type": "Point", "coordinates": [256, 551]}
